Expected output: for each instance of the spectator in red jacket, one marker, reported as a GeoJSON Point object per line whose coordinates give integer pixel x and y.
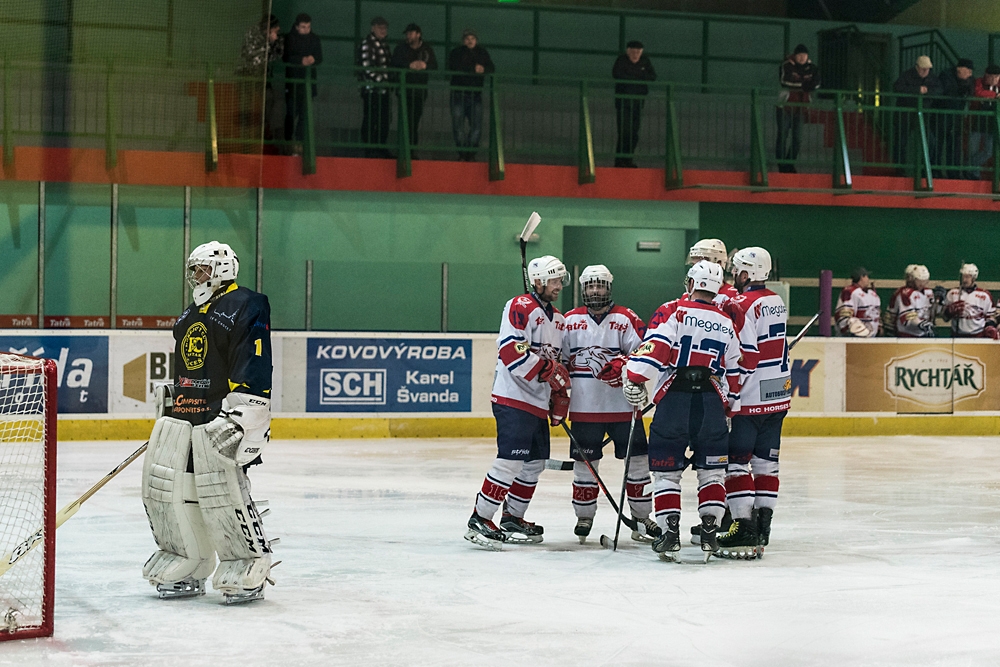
{"type": "Point", "coordinates": [980, 137]}
{"type": "Point", "coordinates": [799, 77]}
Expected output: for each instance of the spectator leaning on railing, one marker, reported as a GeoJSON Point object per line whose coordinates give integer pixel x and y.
{"type": "Point", "coordinates": [417, 56]}
{"type": "Point", "coordinates": [262, 45]}
{"type": "Point", "coordinates": [958, 86]}
{"type": "Point", "coordinates": [467, 93]}
{"type": "Point", "coordinates": [630, 66]}
{"type": "Point", "coordinates": [373, 54]}
{"type": "Point", "coordinates": [916, 81]}
{"type": "Point", "coordinates": [981, 135]}
{"type": "Point", "coordinates": [798, 77]}
{"type": "Point", "coordinates": [303, 51]}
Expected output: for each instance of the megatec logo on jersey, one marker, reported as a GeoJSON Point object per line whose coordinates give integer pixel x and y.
{"type": "Point", "coordinates": [935, 377]}
{"type": "Point", "coordinates": [194, 346]}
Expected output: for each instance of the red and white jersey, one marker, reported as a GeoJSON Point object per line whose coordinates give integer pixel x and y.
{"type": "Point", "coordinates": [911, 312]}
{"type": "Point", "coordinates": [689, 333]}
{"type": "Point", "coordinates": [978, 308]}
{"type": "Point", "coordinates": [726, 293]}
{"type": "Point", "coordinates": [530, 333]}
{"type": "Point", "coordinates": [864, 304]}
{"type": "Point", "coordinates": [767, 385]}
{"type": "Point", "coordinates": [588, 345]}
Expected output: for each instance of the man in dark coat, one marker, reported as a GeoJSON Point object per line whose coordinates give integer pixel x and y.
{"type": "Point", "coordinates": [373, 55]}
{"type": "Point", "coordinates": [798, 77]}
{"type": "Point", "coordinates": [303, 51]}
{"type": "Point", "coordinates": [417, 56]}
{"type": "Point", "coordinates": [467, 93]}
{"type": "Point", "coordinates": [916, 81]}
{"type": "Point", "coordinates": [958, 85]}
{"type": "Point", "coordinates": [629, 99]}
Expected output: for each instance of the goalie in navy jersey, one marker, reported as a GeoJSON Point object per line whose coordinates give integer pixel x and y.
{"type": "Point", "coordinates": [212, 425]}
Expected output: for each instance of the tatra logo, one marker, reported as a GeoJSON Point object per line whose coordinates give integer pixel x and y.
{"type": "Point", "coordinates": [935, 377]}
{"type": "Point", "coordinates": [194, 346]}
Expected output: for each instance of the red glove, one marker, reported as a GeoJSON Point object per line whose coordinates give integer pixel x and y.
{"type": "Point", "coordinates": [955, 309]}
{"type": "Point", "coordinates": [555, 374]}
{"type": "Point", "coordinates": [558, 406]}
{"type": "Point", "coordinates": [611, 374]}
{"type": "Point", "coordinates": [991, 332]}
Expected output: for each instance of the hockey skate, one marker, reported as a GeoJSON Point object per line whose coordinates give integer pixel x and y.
{"type": "Point", "coordinates": [740, 541]}
{"type": "Point", "coordinates": [583, 526]}
{"type": "Point", "coordinates": [647, 530]}
{"type": "Point", "coordinates": [668, 545]}
{"type": "Point", "coordinates": [244, 596]}
{"type": "Point", "coordinates": [764, 516]}
{"type": "Point", "coordinates": [484, 533]}
{"type": "Point", "coordinates": [727, 520]}
{"type": "Point", "coordinates": [187, 588]}
{"type": "Point", "coordinates": [519, 531]}
{"type": "Point", "coordinates": [709, 540]}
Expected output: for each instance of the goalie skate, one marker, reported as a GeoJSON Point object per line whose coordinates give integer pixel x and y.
{"type": "Point", "coordinates": [188, 588]}
{"type": "Point", "coordinates": [519, 531]}
{"type": "Point", "coordinates": [245, 596]}
{"type": "Point", "coordinates": [646, 530]}
{"type": "Point", "coordinates": [482, 532]}
{"type": "Point", "coordinates": [583, 527]}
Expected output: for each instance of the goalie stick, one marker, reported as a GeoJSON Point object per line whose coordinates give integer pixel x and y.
{"type": "Point", "coordinates": [10, 558]}
{"type": "Point", "coordinates": [600, 482]}
{"type": "Point", "coordinates": [529, 229]}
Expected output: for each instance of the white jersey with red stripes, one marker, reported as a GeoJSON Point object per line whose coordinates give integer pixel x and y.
{"type": "Point", "coordinates": [589, 344]}
{"type": "Point", "coordinates": [978, 308]}
{"type": "Point", "coordinates": [530, 333]}
{"type": "Point", "coordinates": [689, 333]}
{"type": "Point", "coordinates": [911, 312]}
{"type": "Point", "coordinates": [767, 386]}
{"type": "Point", "coordinates": [864, 304]}
{"type": "Point", "coordinates": [726, 293]}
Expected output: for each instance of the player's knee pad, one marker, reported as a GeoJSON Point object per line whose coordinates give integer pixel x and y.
{"type": "Point", "coordinates": [764, 467]}
{"type": "Point", "coordinates": [664, 477]}
{"type": "Point", "coordinates": [737, 469]}
{"type": "Point", "coordinates": [582, 474]}
{"type": "Point", "coordinates": [708, 476]}
{"type": "Point", "coordinates": [531, 471]}
{"type": "Point", "coordinates": [231, 518]}
{"type": "Point", "coordinates": [638, 468]}
{"type": "Point", "coordinates": [505, 470]}
{"type": "Point", "coordinates": [171, 502]}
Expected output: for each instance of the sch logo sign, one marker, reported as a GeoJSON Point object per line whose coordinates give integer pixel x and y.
{"type": "Point", "coordinates": [352, 386]}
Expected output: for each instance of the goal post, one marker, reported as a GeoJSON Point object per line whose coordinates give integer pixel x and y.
{"type": "Point", "coordinates": [28, 409]}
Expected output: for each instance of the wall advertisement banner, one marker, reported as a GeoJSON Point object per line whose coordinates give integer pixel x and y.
{"type": "Point", "coordinates": [388, 375]}
{"type": "Point", "coordinates": [81, 363]}
{"type": "Point", "coordinates": [809, 368]}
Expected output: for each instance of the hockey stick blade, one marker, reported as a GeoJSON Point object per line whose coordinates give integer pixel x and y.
{"type": "Point", "coordinates": [556, 464]}
{"type": "Point", "coordinates": [529, 227]}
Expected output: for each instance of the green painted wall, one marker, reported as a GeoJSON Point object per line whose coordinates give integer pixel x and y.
{"type": "Point", "coordinates": [19, 247]}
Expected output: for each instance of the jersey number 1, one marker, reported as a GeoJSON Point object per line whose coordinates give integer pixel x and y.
{"type": "Point", "coordinates": [256, 344]}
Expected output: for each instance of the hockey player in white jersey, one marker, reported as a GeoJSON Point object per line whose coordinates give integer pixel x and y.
{"type": "Point", "coordinates": [755, 437]}
{"type": "Point", "coordinates": [691, 349]}
{"type": "Point", "coordinates": [969, 308]}
{"type": "Point", "coordinates": [599, 336]}
{"type": "Point", "coordinates": [530, 385]}
{"type": "Point", "coordinates": [913, 307]}
{"type": "Point", "coordinates": [859, 308]}
{"type": "Point", "coordinates": [714, 251]}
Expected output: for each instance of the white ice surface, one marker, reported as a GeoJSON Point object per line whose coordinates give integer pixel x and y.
{"type": "Point", "coordinates": [883, 552]}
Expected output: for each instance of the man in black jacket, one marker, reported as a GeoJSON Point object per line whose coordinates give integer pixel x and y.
{"type": "Point", "coordinates": [418, 56]}
{"type": "Point", "coordinates": [373, 54]}
{"type": "Point", "coordinates": [916, 81]}
{"type": "Point", "coordinates": [958, 85]}
{"type": "Point", "coordinates": [467, 93]}
{"type": "Point", "coordinates": [629, 99]}
{"type": "Point", "coordinates": [798, 77]}
{"type": "Point", "coordinates": [303, 51]}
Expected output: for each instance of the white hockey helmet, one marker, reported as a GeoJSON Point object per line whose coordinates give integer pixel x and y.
{"type": "Point", "coordinates": [596, 274]}
{"type": "Point", "coordinates": [755, 261]}
{"type": "Point", "coordinates": [221, 264]}
{"type": "Point", "coordinates": [545, 268]}
{"type": "Point", "coordinates": [713, 250]}
{"type": "Point", "coordinates": [969, 270]}
{"type": "Point", "coordinates": [706, 276]}
{"type": "Point", "coordinates": [918, 272]}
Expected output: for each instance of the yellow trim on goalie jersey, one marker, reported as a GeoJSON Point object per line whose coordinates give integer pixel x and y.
{"type": "Point", "coordinates": [204, 309]}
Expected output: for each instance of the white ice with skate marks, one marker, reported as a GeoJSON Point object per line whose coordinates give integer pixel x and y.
{"type": "Point", "coordinates": [883, 552]}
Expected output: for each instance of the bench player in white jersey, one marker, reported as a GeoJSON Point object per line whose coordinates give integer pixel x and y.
{"type": "Point", "coordinates": [859, 308]}
{"type": "Point", "coordinates": [692, 350]}
{"type": "Point", "coordinates": [530, 384]}
{"type": "Point", "coordinates": [913, 307]}
{"type": "Point", "coordinates": [970, 308]}
{"type": "Point", "coordinates": [714, 251]}
{"type": "Point", "coordinates": [600, 335]}
{"type": "Point", "coordinates": [755, 437]}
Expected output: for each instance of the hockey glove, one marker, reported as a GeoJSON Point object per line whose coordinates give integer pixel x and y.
{"type": "Point", "coordinates": [955, 309]}
{"type": "Point", "coordinates": [558, 406]}
{"type": "Point", "coordinates": [555, 374]}
{"type": "Point", "coordinates": [611, 374]}
{"type": "Point", "coordinates": [927, 328]}
{"type": "Point", "coordinates": [635, 394]}
{"type": "Point", "coordinates": [940, 292]}
{"type": "Point", "coordinates": [991, 332]}
{"type": "Point", "coordinates": [242, 428]}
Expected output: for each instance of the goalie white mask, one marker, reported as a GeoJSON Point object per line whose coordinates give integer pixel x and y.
{"type": "Point", "coordinates": [755, 261]}
{"type": "Point", "coordinates": [595, 286]}
{"type": "Point", "coordinates": [705, 276]}
{"type": "Point", "coordinates": [545, 268]}
{"type": "Point", "coordinates": [215, 260]}
{"type": "Point", "coordinates": [713, 250]}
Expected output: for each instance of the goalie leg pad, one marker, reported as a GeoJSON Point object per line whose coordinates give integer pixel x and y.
{"type": "Point", "coordinates": [231, 519]}
{"type": "Point", "coordinates": [168, 494]}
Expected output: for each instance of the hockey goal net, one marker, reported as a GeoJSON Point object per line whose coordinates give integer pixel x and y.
{"type": "Point", "coordinates": [27, 495]}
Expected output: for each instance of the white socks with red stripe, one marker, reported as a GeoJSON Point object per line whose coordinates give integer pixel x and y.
{"type": "Point", "coordinates": [495, 486]}
{"type": "Point", "coordinates": [765, 480]}
{"type": "Point", "coordinates": [523, 487]}
{"type": "Point", "coordinates": [667, 494]}
{"type": "Point", "coordinates": [585, 490]}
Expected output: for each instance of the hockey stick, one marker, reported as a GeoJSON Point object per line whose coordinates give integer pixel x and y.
{"type": "Point", "coordinates": [529, 229]}
{"type": "Point", "coordinates": [593, 471]}
{"type": "Point", "coordinates": [556, 464]}
{"type": "Point", "coordinates": [65, 513]}
{"type": "Point", "coordinates": [628, 454]}
{"type": "Point", "coordinates": [802, 333]}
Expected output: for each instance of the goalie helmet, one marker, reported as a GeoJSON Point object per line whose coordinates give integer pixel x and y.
{"type": "Point", "coordinates": [755, 261]}
{"type": "Point", "coordinates": [598, 279]}
{"type": "Point", "coordinates": [705, 276]}
{"type": "Point", "coordinates": [218, 261]}
{"type": "Point", "coordinates": [545, 268]}
{"type": "Point", "coordinates": [969, 270]}
{"type": "Point", "coordinates": [713, 250]}
{"type": "Point", "coordinates": [917, 272]}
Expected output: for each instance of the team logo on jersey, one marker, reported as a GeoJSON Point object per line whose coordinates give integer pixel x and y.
{"type": "Point", "coordinates": [522, 347]}
{"type": "Point", "coordinates": [194, 346]}
{"type": "Point", "coordinates": [592, 358]}
{"type": "Point", "coordinates": [523, 301]}
{"type": "Point", "coordinates": [645, 348]}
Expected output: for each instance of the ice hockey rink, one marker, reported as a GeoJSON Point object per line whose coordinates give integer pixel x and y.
{"type": "Point", "coordinates": [884, 551]}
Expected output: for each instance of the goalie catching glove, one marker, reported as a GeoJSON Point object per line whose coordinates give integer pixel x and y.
{"type": "Point", "coordinates": [242, 428]}
{"type": "Point", "coordinates": [555, 374]}
{"type": "Point", "coordinates": [611, 374]}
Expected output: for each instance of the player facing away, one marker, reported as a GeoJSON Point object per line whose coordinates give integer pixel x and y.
{"type": "Point", "coordinates": [913, 307]}
{"type": "Point", "coordinates": [970, 308]}
{"type": "Point", "coordinates": [714, 251]}
{"type": "Point", "coordinates": [530, 384]}
{"type": "Point", "coordinates": [755, 436]}
{"type": "Point", "coordinates": [600, 335]}
{"type": "Point", "coordinates": [212, 426]}
{"type": "Point", "coordinates": [691, 348]}
{"type": "Point", "coordinates": [859, 308]}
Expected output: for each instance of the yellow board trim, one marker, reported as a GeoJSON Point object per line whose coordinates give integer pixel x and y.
{"type": "Point", "coordinates": [316, 428]}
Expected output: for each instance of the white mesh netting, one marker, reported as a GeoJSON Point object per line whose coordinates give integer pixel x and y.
{"type": "Point", "coordinates": [22, 492]}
